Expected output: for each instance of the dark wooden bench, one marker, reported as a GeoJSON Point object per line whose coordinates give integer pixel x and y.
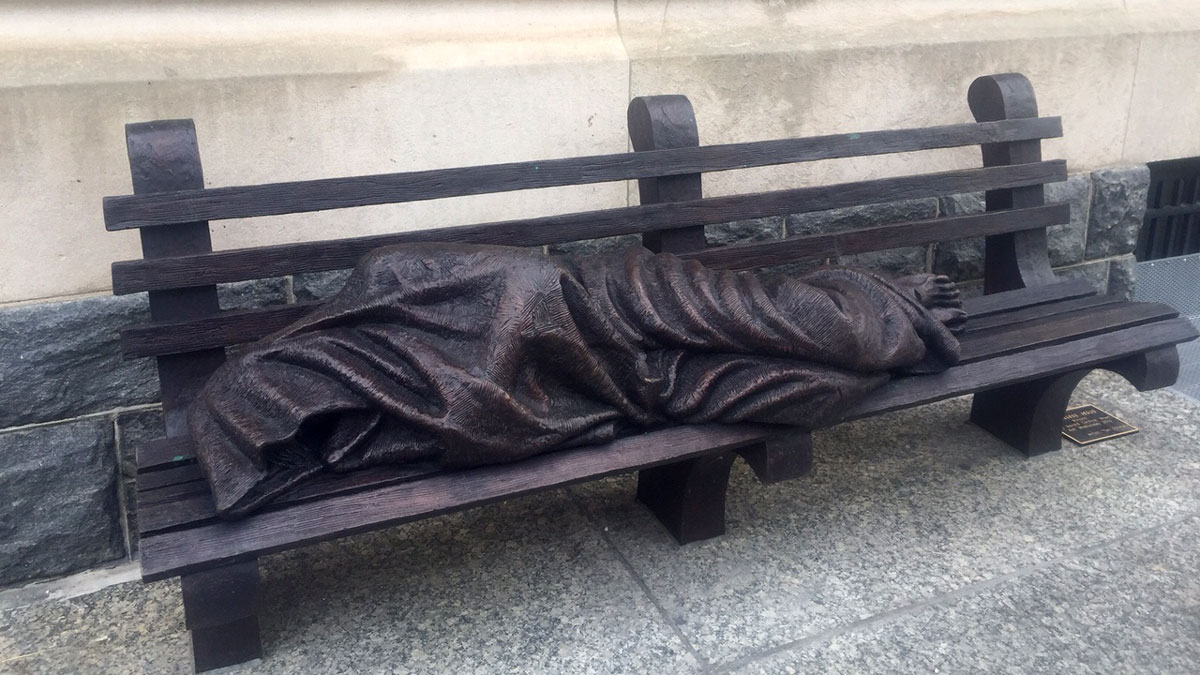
{"type": "Point", "coordinates": [1029, 340]}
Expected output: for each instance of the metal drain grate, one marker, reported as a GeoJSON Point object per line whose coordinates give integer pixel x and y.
{"type": "Point", "coordinates": [1171, 226]}
{"type": "Point", "coordinates": [1176, 281]}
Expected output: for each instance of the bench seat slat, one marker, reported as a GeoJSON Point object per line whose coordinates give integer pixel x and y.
{"type": "Point", "coordinates": [130, 211]}
{"type": "Point", "coordinates": [1037, 312]}
{"type": "Point", "coordinates": [1061, 328]}
{"type": "Point", "coordinates": [268, 261]}
{"type": "Point", "coordinates": [235, 326]}
{"type": "Point", "coordinates": [173, 553]}
{"type": "Point", "coordinates": [1023, 366]}
{"type": "Point", "coordinates": [190, 504]}
{"type": "Point", "coordinates": [1007, 301]}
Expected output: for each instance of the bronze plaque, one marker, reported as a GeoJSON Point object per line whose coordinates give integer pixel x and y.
{"type": "Point", "coordinates": [1088, 424]}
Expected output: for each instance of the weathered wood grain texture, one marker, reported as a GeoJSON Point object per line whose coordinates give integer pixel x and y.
{"type": "Point", "coordinates": [1017, 259]}
{"type": "Point", "coordinates": [270, 261]}
{"type": "Point", "coordinates": [1024, 366]}
{"type": "Point", "coordinates": [174, 553]}
{"type": "Point", "coordinates": [164, 156]}
{"type": "Point", "coordinates": [126, 212]}
{"type": "Point", "coordinates": [1058, 328]}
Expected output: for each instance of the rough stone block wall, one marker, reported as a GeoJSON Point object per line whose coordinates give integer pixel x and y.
{"type": "Point", "coordinates": [72, 412]}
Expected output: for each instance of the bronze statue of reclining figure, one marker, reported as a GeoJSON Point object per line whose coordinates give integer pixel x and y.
{"type": "Point", "coordinates": [454, 356]}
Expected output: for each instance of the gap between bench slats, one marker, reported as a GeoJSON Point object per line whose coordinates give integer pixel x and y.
{"type": "Point", "coordinates": [167, 452]}
{"type": "Point", "coordinates": [246, 325]}
{"type": "Point", "coordinates": [189, 501]}
{"type": "Point", "coordinates": [130, 211]}
{"type": "Point", "coordinates": [179, 552]}
{"type": "Point", "coordinates": [132, 276]}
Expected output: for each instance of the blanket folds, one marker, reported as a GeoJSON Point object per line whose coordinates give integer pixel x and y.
{"type": "Point", "coordinates": [461, 355]}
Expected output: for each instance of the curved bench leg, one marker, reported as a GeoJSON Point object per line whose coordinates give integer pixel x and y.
{"type": "Point", "coordinates": [1149, 370]}
{"type": "Point", "coordinates": [688, 497]}
{"type": "Point", "coordinates": [787, 456]}
{"type": "Point", "coordinates": [221, 607]}
{"type": "Point", "coordinates": [1027, 416]}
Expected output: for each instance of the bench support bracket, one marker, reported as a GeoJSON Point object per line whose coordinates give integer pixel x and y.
{"type": "Point", "coordinates": [688, 497]}
{"type": "Point", "coordinates": [221, 608]}
{"type": "Point", "coordinates": [1029, 416]}
{"type": "Point", "coordinates": [787, 456]}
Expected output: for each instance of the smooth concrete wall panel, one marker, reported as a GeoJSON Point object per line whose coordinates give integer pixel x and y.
{"type": "Point", "coordinates": [750, 96]}
{"type": "Point", "coordinates": [1164, 110]}
{"type": "Point", "coordinates": [282, 111]}
{"type": "Point", "coordinates": [283, 91]}
{"type": "Point", "coordinates": [69, 150]}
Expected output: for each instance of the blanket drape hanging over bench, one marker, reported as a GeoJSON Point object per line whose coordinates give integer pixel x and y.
{"type": "Point", "coordinates": [451, 356]}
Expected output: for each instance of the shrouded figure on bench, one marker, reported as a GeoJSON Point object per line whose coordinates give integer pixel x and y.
{"type": "Point", "coordinates": [453, 356]}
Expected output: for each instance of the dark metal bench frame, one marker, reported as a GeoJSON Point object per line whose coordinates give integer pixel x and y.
{"type": "Point", "coordinates": [1030, 340]}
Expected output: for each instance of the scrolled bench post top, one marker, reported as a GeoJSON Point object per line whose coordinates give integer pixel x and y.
{"type": "Point", "coordinates": [1005, 96]}
{"type": "Point", "coordinates": [164, 156]}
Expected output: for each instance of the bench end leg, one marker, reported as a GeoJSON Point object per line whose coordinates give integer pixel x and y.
{"type": "Point", "coordinates": [784, 457]}
{"type": "Point", "coordinates": [688, 497]}
{"type": "Point", "coordinates": [1027, 416]}
{"type": "Point", "coordinates": [221, 608]}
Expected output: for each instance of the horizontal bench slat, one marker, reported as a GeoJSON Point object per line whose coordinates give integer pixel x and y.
{"type": "Point", "coordinates": [1007, 301]}
{"type": "Point", "coordinates": [184, 551]}
{"type": "Point", "coordinates": [880, 238]}
{"type": "Point", "coordinates": [237, 326]}
{"type": "Point", "coordinates": [133, 276]}
{"type": "Point", "coordinates": [1035, 313]}
{"type": "Point", "coordinates": [1023, 367]}
{"type": "Point", "coordinates": [178, 552]}
{"type": "Point", "coordinates": [189, 504]}
{"type": "Point", "coordinates": [130, 211]}
{"type": "Point", "coordinates": [163, 453]}
{"type": "Point", "coordinates": [1061, 328]}
{"type": "Point", "coordinates": [219, 330]}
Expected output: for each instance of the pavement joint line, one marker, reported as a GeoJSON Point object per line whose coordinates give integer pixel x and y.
{"type": "Point", "coordinates": [705, 666]}
{"type": "Point", "coordinates": [910, 609]}
{"type": "Point", "coordinates": [73, 586]}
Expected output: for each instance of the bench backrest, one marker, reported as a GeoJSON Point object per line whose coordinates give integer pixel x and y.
{"type": "Point", "coordinates": [171, 208]}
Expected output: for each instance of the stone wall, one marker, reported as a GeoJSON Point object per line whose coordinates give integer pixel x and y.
{"type": "Point", "coordinates": [72, 412]}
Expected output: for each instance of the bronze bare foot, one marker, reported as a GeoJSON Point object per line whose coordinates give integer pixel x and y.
{"type": "Point", "coordinates": [939, 295]}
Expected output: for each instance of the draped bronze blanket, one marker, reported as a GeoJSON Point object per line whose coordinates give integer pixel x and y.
{"type": "Point", "coordinates": [455, 356]}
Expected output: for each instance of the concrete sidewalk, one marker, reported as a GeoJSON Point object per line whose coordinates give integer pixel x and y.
{"type": "Point", "coordinates": [919, 544]}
